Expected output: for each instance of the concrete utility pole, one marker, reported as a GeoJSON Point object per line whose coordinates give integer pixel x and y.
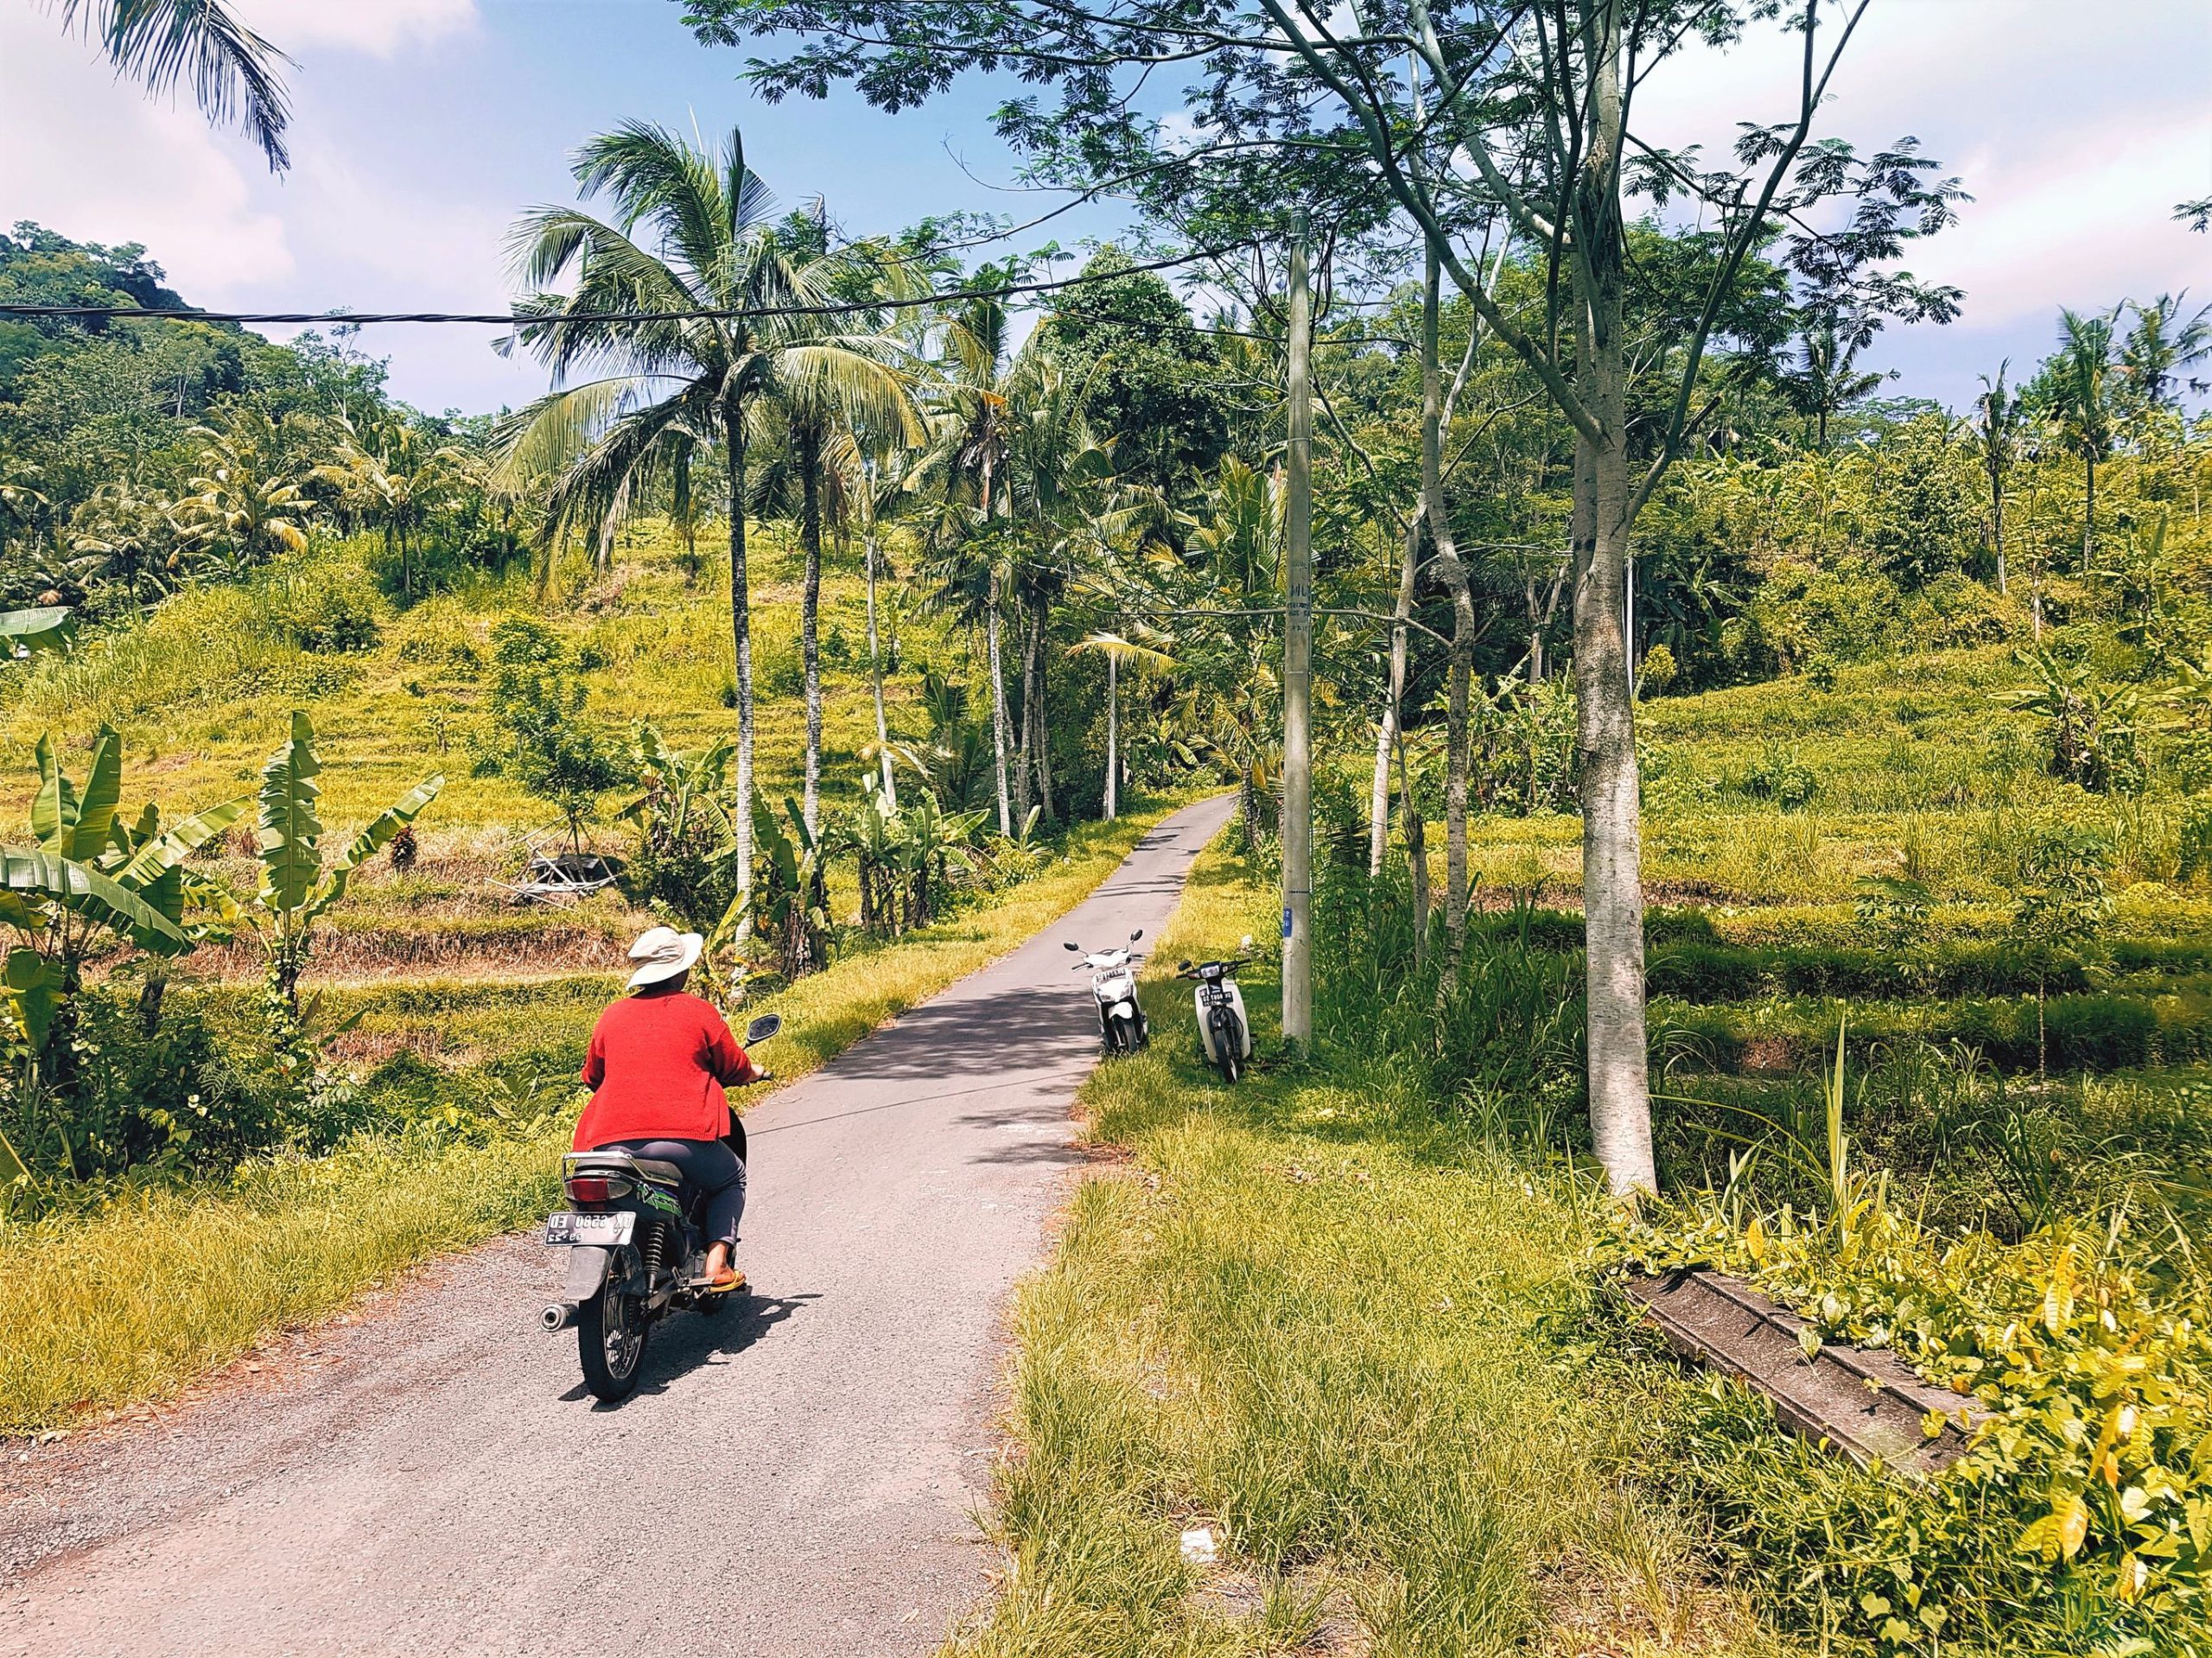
{"type": "Point", "coordinates": [1298, 668]}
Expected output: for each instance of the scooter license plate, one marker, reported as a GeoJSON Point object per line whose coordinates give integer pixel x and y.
{"type": "Point", "coordinates": [601, 1230]}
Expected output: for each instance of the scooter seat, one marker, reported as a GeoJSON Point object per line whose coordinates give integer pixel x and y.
{"type": "Point", "coordinates": [644, 1168]}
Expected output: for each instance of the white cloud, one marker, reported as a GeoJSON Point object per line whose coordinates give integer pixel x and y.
{"type": "Point", "coordinates": [2069, 222]}
{"type": "Point", "coordinates": [96, 161]}
{"type": "Point", "coordinates": [2076, 143]}
{"type": "Point", "coordinates": [434, 250]}
{"type": "Point", "coordinates": [379, 28]}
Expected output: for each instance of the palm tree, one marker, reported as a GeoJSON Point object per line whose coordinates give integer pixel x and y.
{"type": "Point", "coordinates": [390, 482]}
{"type": "Point", "coordinates": [821, 414]}
{"type": "Point", "coordinates": [247, 504]}
{"type": "Point", "coordinates": [967, 462]}
{"type": "Point", "coordinates": [2001, 414]}
{"type": "Point", "coordinates": [877, 491]}
{"type": "Point", "coordinates": [1117, 650]}
{"type": "Point", "coordinates": [232, 71]}
{"type": "Point", "coordinates": [2082, 403]}
{"type": "Point", "coordinates": [2161, 343]}
{"type": "Point", "coordinates": [675, 378]}
{"type": "Point", "coordinates": [1829, 381]}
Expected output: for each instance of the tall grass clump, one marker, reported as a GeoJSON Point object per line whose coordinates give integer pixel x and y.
{"type": "Point", "coordinates": [1497, 1035]}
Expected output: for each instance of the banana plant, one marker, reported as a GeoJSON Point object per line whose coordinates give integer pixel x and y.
{"type": "Point", "coordinates": [935, 843]}
{"type": "Point", "coordinates": [89, 873]}
{"type": "Point", "coordinates": [297, 888]}
{"type": "Point", "coordinates": [787, 898]}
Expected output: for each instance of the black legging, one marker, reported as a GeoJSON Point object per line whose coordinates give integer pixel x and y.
{"type": "Point", "coordinates": [710, 1167]}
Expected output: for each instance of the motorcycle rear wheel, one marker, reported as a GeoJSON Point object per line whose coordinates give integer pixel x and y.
{"type": "Point", "coordinates": [611, 1332]}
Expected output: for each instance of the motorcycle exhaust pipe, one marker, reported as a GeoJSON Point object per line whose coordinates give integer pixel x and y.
{"type": "Point", "coordinates": [558, 1315]}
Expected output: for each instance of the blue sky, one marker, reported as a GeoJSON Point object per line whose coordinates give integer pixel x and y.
{"type": "Point", "coordinates": [424, 125]}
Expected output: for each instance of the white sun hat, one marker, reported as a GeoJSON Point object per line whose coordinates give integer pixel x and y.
{"type": "Point", "coordinates": [661, 953]}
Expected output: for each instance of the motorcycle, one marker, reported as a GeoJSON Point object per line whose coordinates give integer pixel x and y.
{"type": "Point", "coordinates": [637, 1251]}
{"type": "Point", "coordinates": [1224, 1031]}
{"type": "Point", "coordinates": [1121, 1026]}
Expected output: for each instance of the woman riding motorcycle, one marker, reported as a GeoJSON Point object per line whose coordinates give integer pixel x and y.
{"type": "Point", "coordinates": [658, 1062]}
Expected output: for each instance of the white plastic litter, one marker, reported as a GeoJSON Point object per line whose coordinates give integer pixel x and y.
{"type": "Point", "coordinates": [1198, 1545]}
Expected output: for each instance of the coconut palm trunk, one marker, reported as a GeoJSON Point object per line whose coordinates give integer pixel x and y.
{"type": "Point", "coordinates": [808, 442]}
{"type": "Point", "coordinates": [875, 675]}
{"type": "Point", "coordinates": [1113, 734]}
{"type": "Point", "coordinates": [740, 623]}
{"type": "Point", "coordinates": [998, 707]}
{"type": "Point", "coordinates": [1022, 796]}
{"type": "Point", "coordinates": [1035, 702]}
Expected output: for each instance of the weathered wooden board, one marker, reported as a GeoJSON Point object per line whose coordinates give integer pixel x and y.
{"type": "Point", "coordinates": [1866, 1403]}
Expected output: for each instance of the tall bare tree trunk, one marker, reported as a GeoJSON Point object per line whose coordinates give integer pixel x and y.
{"type": "Point", "coordinates": [740, 623]}
{"type": "Point", "coordinates": [809, 614]}
{"type": "Point", "coordinates": [875, 676]}
{"type": "Point", "coordinates": [1457, 724]}
{"type": "Point", "coordinates": [1378, 805]}
{"type": "Point", "coordinates": [2089, 515]}
{"type": "Point", "coordinates": [1997, 514]}
{"type": "Point", "coordinates": [1416, 854]}
{"type": "Point", "coordinates": [1612, 890]}
{"type": "Point", "coordinates": [1022, 798]}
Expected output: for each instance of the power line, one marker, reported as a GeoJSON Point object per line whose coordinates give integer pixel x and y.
{"type": "Point", "coordinates": [704, 313]}
{"type": "Point", "coordinates": [524, 319]}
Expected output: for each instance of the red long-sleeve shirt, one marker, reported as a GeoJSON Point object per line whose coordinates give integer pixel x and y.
{"type": "Point", "coordinates": [655, 1068]}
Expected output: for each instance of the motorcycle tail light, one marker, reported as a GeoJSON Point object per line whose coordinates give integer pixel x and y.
{"type": "Point", "coordinates": [596, 1189]}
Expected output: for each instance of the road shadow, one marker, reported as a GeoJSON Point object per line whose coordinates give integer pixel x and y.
{"type": "Point", "coordinates": [687, 1342]}
{"type": "Point", "coordinates": [982, 1036]}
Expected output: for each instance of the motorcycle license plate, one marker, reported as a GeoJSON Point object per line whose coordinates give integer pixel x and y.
{"type": "Point", "coordinates": [602, 1230]}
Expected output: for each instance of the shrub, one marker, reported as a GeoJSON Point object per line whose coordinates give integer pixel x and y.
{"type": "Point", "coordinates": [1780, 777]}
{"type": "Point", "coordinates": [326, 609]}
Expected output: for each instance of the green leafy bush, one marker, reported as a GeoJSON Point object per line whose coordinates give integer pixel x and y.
{"type": "Point", "coordinates": [2080, 1520]}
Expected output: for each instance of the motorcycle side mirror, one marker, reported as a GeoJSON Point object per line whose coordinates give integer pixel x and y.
{"type": "Point", "coordinates": [1138, 934]}
{"type": "Point", "coordinates": [1076, 948]}
{"type": "Point", "coordinates": [762, 1028]}
{"type": "Point", "coordinates": [1182, 967]}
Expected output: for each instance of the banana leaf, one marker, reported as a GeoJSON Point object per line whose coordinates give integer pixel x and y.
{"type": "Point", "coordinates": [291, 835]}
{"type": "Point", "coordinates": [83, 890]}
{"type": "Point", "coordinates": [88, 832]}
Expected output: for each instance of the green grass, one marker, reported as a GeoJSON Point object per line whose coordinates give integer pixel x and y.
{"type": "Point", "coordinates": [135, 1299]}
{"type": "Point", "coordinates": [1310, 1314]}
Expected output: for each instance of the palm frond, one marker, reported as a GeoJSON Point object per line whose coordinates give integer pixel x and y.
{"type": "Point", "coordinates": [163, 44]}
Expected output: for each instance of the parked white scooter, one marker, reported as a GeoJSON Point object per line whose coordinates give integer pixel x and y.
{"type": "Point", "coordinates": [1224, 1031]}
{"type": "Point", "coordinates": [1122, 1025]}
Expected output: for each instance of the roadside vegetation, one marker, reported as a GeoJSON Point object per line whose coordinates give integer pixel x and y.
{"type": "Point", "coordinates": [1355, 1342]}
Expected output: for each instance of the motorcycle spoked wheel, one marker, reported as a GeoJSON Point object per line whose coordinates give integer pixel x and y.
{"type": "Point", "coordinates": [611, 1332]}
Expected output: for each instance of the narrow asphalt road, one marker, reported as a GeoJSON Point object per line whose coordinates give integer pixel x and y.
{"type": "Point", "coordinates": [798, 1478]}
